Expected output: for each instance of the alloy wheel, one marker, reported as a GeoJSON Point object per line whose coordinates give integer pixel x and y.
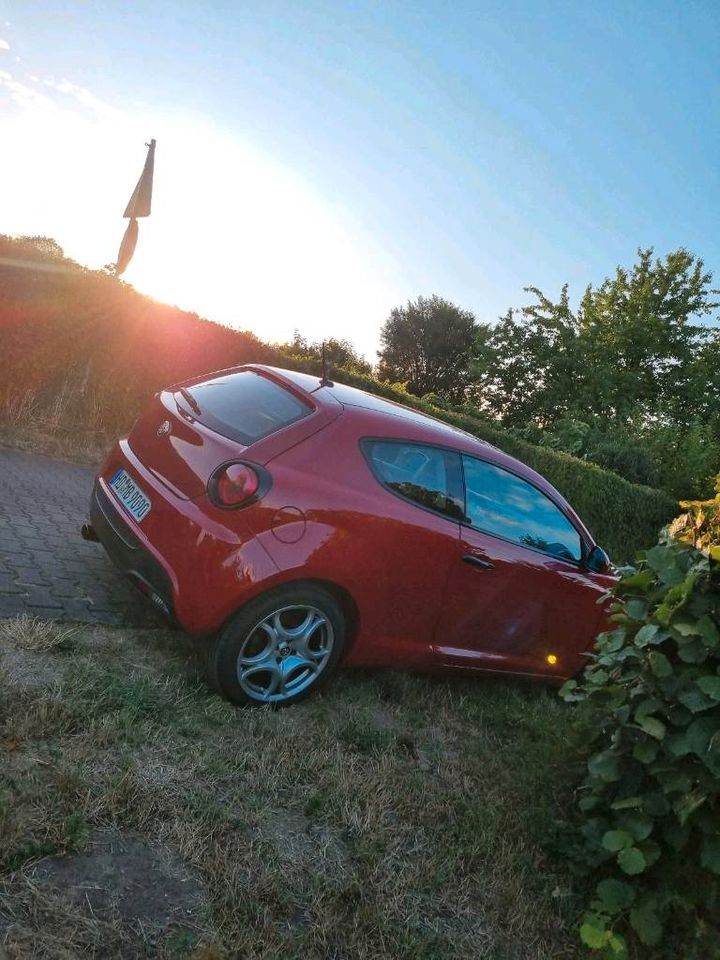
{"type": "Point", "coordinates": [285, 653]}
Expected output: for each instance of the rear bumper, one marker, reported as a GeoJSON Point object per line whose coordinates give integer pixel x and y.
{"type": "Point", "coordinates": [197, 563]}
{"type": "Point", "coordinates": [128, 554]}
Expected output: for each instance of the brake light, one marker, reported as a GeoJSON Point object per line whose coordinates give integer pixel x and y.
{"type": "Point", "coordinates": [233, 485]}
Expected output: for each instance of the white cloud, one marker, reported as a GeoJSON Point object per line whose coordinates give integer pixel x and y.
{"type": "Point", "coordinates": [83, 96]}
{"type": "Point", "coordinates": [4, 45]}
{"type": "Point", "coordinates": [22, 94]}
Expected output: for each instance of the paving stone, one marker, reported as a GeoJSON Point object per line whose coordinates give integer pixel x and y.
{"type": "Point", "coordinates": [8, 584]}
{"type": "Point", "coordinates": [12, 605]}
{"type": "Point", "coordinates": [74, 609]}
{"type": "Point", "coordinates": [46, 568]}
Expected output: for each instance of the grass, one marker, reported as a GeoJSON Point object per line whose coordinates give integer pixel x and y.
{"type": "Point", "coordinates": [50, 428]}
{"type": "Point", "coordinates": [396, 816]}
{"type": "Point", "coordinates": [86, 446]}
{"type": "Point", "coordinates": [36, 634]}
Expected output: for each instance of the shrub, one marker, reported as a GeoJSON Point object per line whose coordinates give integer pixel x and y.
{"type": "Point", "coordinates": [625, 454]}
{"type": "Point", "coordinates": [650, 801]}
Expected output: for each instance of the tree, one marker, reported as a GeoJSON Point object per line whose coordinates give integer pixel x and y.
{"type": "Point", "coordinates": [624, 354]}
{"type": "Point", "coordinates": [428, 344]}
{"type": "Point", "coordinates": [338, 353]}
{"type": "Point", "coordinates": [634, 363]}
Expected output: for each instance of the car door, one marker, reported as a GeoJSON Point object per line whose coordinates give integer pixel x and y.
{"type": "Point", "coordinates": [416, 531]}
{"type": "Point", "coordinates": [519, 598]}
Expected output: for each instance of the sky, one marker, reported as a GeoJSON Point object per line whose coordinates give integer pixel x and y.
{"type": "Point", "coordinates": [319, 163]}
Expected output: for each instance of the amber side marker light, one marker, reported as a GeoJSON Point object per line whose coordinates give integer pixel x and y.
{"type": "Point", "coordinates": [551, 659]}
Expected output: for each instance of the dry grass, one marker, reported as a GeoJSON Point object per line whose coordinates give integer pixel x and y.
{"type": "Point", "coordinates": [65, 443]}
{"type": "Point", "coordinates": [50, 425]}
{"type": "Point", "coordinates": [396, 816]}
{"type": "Point", "coordinates": [37, 635]}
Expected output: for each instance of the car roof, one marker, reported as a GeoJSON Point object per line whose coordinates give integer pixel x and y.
{"type": "Point", "coordinates": [386, 418]}
{"type": "Point", "coordinates": [438, 430]}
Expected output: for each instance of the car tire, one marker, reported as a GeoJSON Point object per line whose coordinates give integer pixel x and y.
{"type": "Point", "coordinates": [279, 648]}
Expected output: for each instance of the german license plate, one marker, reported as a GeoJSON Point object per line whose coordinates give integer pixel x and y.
{"type": "Point", "coordinates": [130, 495]}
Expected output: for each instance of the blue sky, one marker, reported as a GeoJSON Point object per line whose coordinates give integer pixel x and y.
{"type": "Point", "coordinates": [376, 150]}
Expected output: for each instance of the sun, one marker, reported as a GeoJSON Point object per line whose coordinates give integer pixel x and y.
{"type": "Point", "coordinates": [235, 234]}
{"type": "Point", "coordinates": [235, 231]}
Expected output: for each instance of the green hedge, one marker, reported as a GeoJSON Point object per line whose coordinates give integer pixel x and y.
{"type": "Point", "coordinates": [622, 516]}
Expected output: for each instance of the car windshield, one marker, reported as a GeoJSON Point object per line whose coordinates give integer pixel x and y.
{"type": "Point", "coordinates": [244, 406]}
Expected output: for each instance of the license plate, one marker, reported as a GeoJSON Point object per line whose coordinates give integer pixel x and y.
{"type": "Point", "coordinates": [130, 495]}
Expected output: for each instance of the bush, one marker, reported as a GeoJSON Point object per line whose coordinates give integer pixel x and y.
{"type": "Point", "coordinates": [650, 802]}
{"type": "Point", "coordinates": [624, 454]}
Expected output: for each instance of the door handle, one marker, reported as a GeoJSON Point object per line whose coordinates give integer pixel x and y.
{"type": "Point", "coordinates": [478, 561]}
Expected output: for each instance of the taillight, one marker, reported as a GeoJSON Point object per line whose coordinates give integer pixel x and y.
{"type": "Point", "coordinates": [236, 484]}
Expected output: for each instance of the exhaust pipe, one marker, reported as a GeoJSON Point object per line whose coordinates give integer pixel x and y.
{"type": "Point", "coordinates": [87, 532]}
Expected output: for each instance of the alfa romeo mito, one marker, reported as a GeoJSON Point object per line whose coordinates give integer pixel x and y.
{"type": "Point", "coordinates": [295, 525]}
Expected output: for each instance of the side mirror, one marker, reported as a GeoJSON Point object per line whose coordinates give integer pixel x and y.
{"type": "Point", "coordinates": [597, 561]}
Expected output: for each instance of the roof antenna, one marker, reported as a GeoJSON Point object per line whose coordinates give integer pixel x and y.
{"type": "Point", "coordinates": [325, 381]}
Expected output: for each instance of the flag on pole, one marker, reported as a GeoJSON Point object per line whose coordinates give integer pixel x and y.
{"type": "Point", "coordinates": [138, 206]}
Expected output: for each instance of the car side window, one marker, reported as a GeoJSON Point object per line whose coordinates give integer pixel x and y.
{"type": "Point", "coordinates": [502, 504]}
{"type": "Point", "coordinates": [429, 476]}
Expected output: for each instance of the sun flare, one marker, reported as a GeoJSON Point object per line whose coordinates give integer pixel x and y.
{"type": "Point", "coordinates": [234, 234]}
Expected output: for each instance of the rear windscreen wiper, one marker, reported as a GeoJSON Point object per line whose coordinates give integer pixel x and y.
{"type": "Point", "coordinates": [190, 400]}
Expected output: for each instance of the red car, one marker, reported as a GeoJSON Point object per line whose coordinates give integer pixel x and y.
{"type": "Point", "coordinates": [299, 524]}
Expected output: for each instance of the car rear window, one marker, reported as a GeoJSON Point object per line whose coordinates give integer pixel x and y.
{"type": "Point", "coordinates": [244, 406]}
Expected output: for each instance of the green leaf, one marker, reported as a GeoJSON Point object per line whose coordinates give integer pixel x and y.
{"type": "Point", "coordinates": [617, 947]}
{"type": "Point", "coordinates": [605, 766]}
{"type": "Point", "coordinates": [650, 633]}
{"type": "Point", "coordinates": [674, 780]}
{"type": "Point", "coordinates": [710, 854]}
{"type": "Point", "coordinates": [650, 850]}
{"type": "Point", "coordinates": [709, 632]}
{"type": "Point", "coordinates": [647, 706]}
{"type": "Point", "coordinates": [710, 686]}
{"type": "Point", "coordinates": [628, 803]}
{"type": "Point", "coordinates": [593, 936]}
{"type": "Point", "coordinates": [597, 676]}
{"type": "Point", "coordinates": [694, 652]}
{"type": "Point", "coordinates": [638, 825]}
{"type": "Point", "coordinates": [645, 751]}
{"type": "Point", "coordinates": [631, 861]}
{"type": "Point", "coordinates": [663, 561]}
{"type": "Point", "coordinates": [675, 599]}
{"type": "Point", "coordinates": [694, 700]}
{"type": "Point", "coordinates": [641, 580]}
{"type": "Point", "coordinates": [656, 804]}
{"type": "Point", "coordinates": [615, 895]}
{"type": "Point", "coordinates": [659, 664]}
{"type": "Point", "coordinates": [688, 804]}
{"type": "Point", "coordinates": [615, 840]}
{"type": "Point", "coordinates": [646, 924]}
{"type": "Point", "coordinates": [699, 733]}
{"type": "Point", "coordinates": [653, 727]}
{"type": "Point", "coordinates": [611, 642]}
{"type": "Point", "coordinates": [636, 608]}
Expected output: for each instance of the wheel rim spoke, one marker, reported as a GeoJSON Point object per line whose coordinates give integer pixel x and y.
{"type": "Point", "coordinates": [284, 653]}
